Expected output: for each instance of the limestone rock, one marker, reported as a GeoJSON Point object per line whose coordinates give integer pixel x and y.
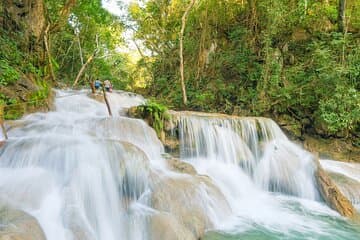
{"type": "Point", "coordinates": [96, 96]}
{"type": "Point", "coordinates": [172, 144]}
{"type": "Point", "coordinates": [189, 200]}
{"type": "Point", "coordinates": [348, 186]}
{"type": "Point", "coordinates": [165, 226]}
{"type": "Point", "coordinates": [134, 112]}
{"type": "Point", "coordinates": [180, 166]}
{"type": "Point", "coordinates": [18, 225]}
{"type": "Point", "coordinates": [332, 195]}
{"type": "Point", "coordinates": [332, 148]}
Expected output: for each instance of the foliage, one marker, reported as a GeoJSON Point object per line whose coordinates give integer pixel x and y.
{"type": "Point", "coordinates": [342, 111]}
{"type": "Point", "coordinates": [90, 28]}
{"type": "Point", "coordinates": [269, 57]}
{"type": "Point", "coordinates": [155, 113]}
{"type": "Point", "coordinates": [39, 97]}
{"type": "Point", "coordinates": [266, 57]}
{"type": "Point", "coordinates": [8, 74]}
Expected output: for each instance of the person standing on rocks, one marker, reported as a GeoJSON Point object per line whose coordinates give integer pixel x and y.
{"type": "Point", "coordinates": [107, 85]}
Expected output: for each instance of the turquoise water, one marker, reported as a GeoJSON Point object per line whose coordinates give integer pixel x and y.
{"type": "Point", "coordinates": [338, 230]}
{"type": "Point", "coordinates": [318, 225]}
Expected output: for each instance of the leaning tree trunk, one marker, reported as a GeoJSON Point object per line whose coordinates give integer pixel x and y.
{"type": "Point", "coordinates": [183, 25]}
{"type": "Point", "coordinates": [83, 68]}
{"type": "Point", "coordinates": [88, 61]}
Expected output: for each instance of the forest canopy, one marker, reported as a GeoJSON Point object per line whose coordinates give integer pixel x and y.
{"type": "Point", "coordinates": [298, 60]}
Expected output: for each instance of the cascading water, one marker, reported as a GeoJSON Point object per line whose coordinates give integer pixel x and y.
{"type": "Point", "coordinates": [87, 176]}
{"type": "Point", "coordinates": [268, 180]}
{"type": "Point", "coordinates": [81, 174]}
{"type": "Point", "coordinates": [256, 144]}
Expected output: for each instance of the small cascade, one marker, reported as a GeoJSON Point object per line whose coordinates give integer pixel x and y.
{"type": "Point", "coordinates": [256, 145]}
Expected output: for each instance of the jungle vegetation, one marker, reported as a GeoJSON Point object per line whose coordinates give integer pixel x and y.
{"type": "Point", "coordinates": [287, 59]}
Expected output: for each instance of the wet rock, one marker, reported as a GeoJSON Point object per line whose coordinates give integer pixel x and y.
{"type": "Point", "coordinates": [18, 225]}
{"type": "Point", "coordinates": [190, 200]}
{"type": "Point", "coordinates": [290, 125]}
{"type": "Point", "coordinates": [348, 186]}
{"type": "Point", "coordinates": [332, 195]}
{"type": "Point", "coordinates": [165, 226]}
{"type": "Point", "coordinates": [332, 148]}
{"type": "Point", "coordinates": [134, 113]}
{"type": "Point", "coordinates": [171, 144]}
{"type": "Point", "coordinates": [97, 96]}
{"type": "Point", "coordinates": [181, 166]}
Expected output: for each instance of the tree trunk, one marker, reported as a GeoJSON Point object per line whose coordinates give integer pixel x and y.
{"type": "Point", "coordinates": [252, 16]}
{"type": "Point", "coordinates": [47, 49]}
{"type": "Point", "coordinates": [28, 17]}
{"type": "Point", "coordinates": [3, 130]}
{"type": "Point", "coordinates": [82, 69]}
{"type": "Point", "coordinates": [183, 25]}
{"type": "Point", "coordinates": [341, 16]}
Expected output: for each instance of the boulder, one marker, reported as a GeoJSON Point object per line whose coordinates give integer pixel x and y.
{"type": "Point", "coordinates": [290, 125]}
{"type": "Point", "coordinates": [18, 225]}
{"type": "Point", "coordinates": [348, 186]}
{"type": "Point", "coordinates": [193, 203]}
{"type": "Point", "coordinates": [97, 96]}
{"type": "Point", "coordinates": [165, 226]}
{"type": "Point", "coordinates": [133, 112]}
{"type": "Point", "coordinates": [332, 195]}
{"type": "Point", "coordinates": [332, 148]}
{"type": "Point", "coordinates": [182, 167]}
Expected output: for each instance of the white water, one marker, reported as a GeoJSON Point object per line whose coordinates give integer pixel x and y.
{"type": "Point", "coordinates": [75, 171]}
{"type": "Point", "coordinates": [268, 180]}
{"type": "Point", "coordinates": [85, 175]}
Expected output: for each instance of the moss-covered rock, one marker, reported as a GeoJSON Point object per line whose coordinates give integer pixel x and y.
{"type": "Point", "coordinates": [332, 148]}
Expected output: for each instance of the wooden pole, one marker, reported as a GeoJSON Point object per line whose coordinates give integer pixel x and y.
{"type": "Point", "coordinates": [2, 122]}
{"type": "Point", "coordinates": [92, 86]}
{"type": "Point", "coordinates": [106, 100]}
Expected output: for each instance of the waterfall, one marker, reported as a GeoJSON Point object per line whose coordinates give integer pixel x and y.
{"type": "Point", "coordinates": [85, 175]}
{"type": "Point", "coordinates": [256, 145]}
{"type": "Point", "coordinates": [267, 179]}
{"type": "Point", "coordinates": [81, 174]}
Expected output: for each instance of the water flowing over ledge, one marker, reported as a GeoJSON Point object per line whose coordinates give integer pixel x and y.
{"type": "Point", "coordinates": [84, 175]}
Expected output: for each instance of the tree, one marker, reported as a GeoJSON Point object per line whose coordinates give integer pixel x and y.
{"type": "Point", "coordinates": [341, 16]}
{"type": "Point", "coordinates": [183, 25]}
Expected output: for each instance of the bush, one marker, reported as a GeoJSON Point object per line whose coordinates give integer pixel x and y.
{"type": "Point", "coordinates": [342, 111]}
{"type": "Point", "coordinates": [8, 74]}
{"type": "Point", "coordinates": [155, 113]}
